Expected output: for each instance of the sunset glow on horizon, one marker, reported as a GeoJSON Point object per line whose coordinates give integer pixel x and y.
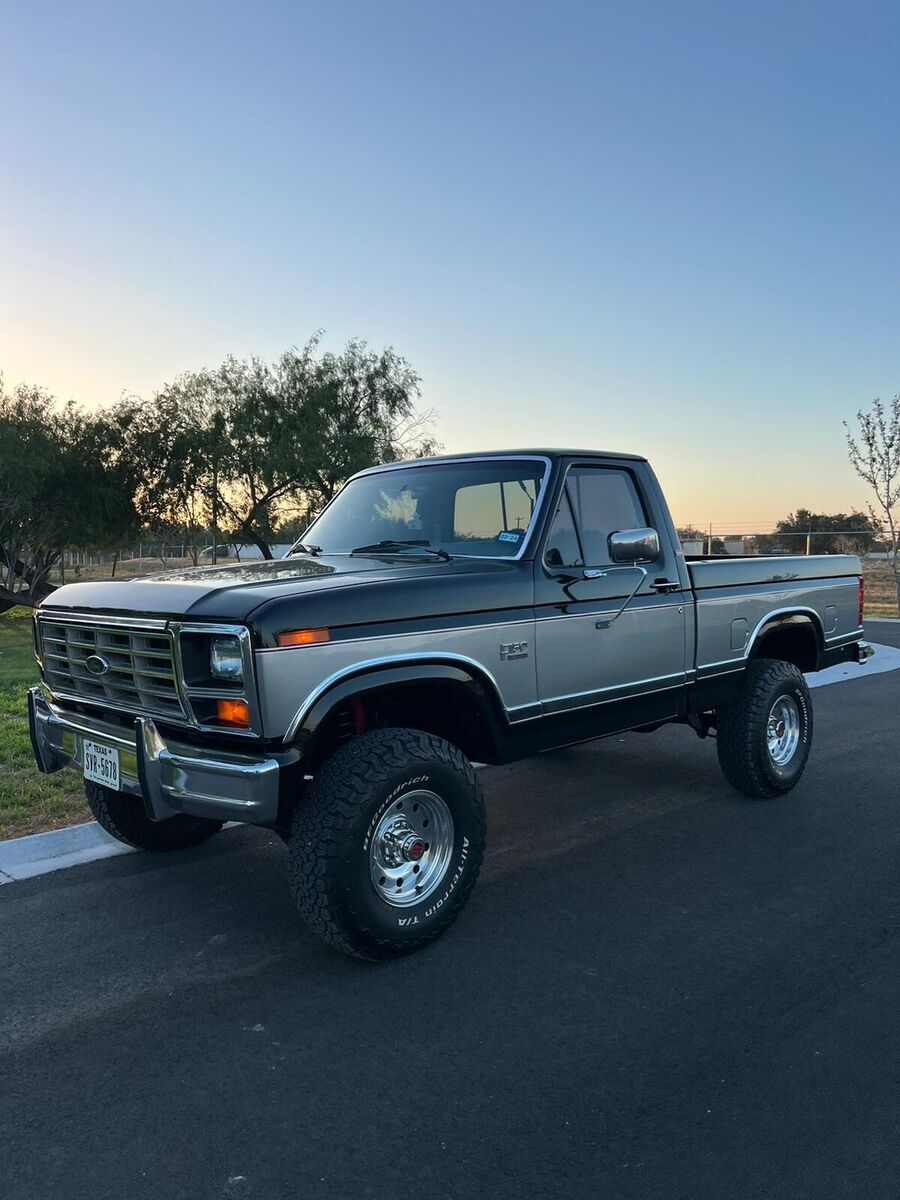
{"type": "Point", "coordinates": [664, 231]}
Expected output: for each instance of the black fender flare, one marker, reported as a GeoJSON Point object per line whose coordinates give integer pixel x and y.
{"type": "Point", "coordinates": [357, 680]}
{"type": "Point", "coordinates": [798, 618]}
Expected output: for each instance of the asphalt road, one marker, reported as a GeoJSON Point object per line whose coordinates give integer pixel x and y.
{"type": "Point", "coordinates": [660, 989]}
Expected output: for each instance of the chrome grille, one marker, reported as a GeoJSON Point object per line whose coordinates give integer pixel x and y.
{"type": "Point", "coordinates": [141, 674]}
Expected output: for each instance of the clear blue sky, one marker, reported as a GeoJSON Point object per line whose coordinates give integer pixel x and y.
{"type": "Point", "coordinates": [670, 228]}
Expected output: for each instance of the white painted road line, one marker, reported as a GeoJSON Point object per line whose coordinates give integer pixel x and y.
{"type": "Point", "coordinates": [886, 658]}
{"type": "Point", "coordinates": [41, 853]}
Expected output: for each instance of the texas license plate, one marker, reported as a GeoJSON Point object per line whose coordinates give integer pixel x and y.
{"type": "Point", "coordinates": [101, 764]}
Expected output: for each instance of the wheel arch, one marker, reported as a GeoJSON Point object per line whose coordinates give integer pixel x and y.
{"type": "Point", "coordinates": [448, 695]}
{"type": "Point", "coordinates": [794, 635]}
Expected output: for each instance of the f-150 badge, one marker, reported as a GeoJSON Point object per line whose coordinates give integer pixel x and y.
{"type": "Point", "coordinates": [510, 650]}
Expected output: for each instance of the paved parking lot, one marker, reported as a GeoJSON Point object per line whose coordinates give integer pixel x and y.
{"type": "Point", "coordinates": [660, 989]}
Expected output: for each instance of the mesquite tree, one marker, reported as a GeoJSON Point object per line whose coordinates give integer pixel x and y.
{"type": "Point", "coordinates": [62, 483]}
{"type": "Point", "coordinates": [249, 445]}
{"type": "Point", "coordinates": [875, 456]}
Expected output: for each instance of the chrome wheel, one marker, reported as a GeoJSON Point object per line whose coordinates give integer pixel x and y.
{"type": "Point", "coordinates": [783, 730]}
{"type": "Point", "coordinates": [411, 848]}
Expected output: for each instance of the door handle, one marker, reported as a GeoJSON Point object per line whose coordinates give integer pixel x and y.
{"type": "Point", "coordinates": [665, 586]}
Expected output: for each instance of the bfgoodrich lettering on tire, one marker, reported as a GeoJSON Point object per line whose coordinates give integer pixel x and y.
{"type": "Point", "coordinates": [387, 844]}
{"type": "Point", "coordinates": [764, 736]}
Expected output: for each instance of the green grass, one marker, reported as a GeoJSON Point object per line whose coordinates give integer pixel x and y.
{"type": "Point", "coordinates": [881, 594]}
{"type": "Point", "coordinates": [29, 802]}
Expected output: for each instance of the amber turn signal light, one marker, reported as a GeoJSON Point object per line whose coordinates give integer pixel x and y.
{"type": "Point", "coordinates": [302, 637]}
{"type": "Point", "coordinates": [233, 712]}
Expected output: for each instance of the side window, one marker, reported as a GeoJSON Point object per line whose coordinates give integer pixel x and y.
{"type": "Point", "coordinates": [496, 515]}
{"type": "Point", "coordinates": [601, 500]}
{"type": "Point", "coordinates": [563, 548]}
{"type": "Point", "coordinates": [477, 512]}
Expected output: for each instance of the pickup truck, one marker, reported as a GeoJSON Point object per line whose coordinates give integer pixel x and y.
{"type": "Point", "coordinates": [437, 614]}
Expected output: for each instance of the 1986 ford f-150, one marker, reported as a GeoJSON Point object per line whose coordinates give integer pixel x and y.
{"type": "Point", "coordinates": [479, 608]}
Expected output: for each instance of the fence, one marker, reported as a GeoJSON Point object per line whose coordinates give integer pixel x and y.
{"type": "Point", "coordinates": [729, 540]}
{"type": "Point", "coordinates": [712, 539]}
{"type": "Point", "coordinates": [152, 556]}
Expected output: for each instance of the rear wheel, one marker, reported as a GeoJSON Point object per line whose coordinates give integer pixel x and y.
{"type": "Point", "coordinates": [387, 843]}
{"type": "Point", "coordinates": [764, 736]}
{"type": "Point", "coordinates": [122, 815]}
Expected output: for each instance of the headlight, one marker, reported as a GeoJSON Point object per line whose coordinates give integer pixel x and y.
{"type": "Point", "coordinates": [225, 661]}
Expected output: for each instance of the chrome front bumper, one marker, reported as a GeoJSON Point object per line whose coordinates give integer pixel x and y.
{"type": "Point", "coordinates": [170, 777]}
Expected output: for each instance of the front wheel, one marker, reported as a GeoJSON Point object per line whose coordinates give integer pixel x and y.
{"type": "Point", "coordinates": [123, 816]}
{"type": "Point", "coordinates": [386, 845]}
{"type": "Point", "coordinates": [764, 736]}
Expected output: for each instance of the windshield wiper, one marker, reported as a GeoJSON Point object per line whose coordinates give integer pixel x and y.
{"type": "Point", "coordinates": [390, 544]}
{"type": "Point", "coordinates": [300, 548]}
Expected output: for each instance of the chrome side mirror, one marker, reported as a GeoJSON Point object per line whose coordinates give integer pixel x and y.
{"type": "Point", "coordinates": [634, 545]}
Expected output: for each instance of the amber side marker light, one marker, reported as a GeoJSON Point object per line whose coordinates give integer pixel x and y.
{"type": "Point", "coordinates": [233, 712]}
{"type": "Point", "coordinates": [302, 637]}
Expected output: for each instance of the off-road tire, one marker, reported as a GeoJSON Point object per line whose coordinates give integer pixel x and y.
{"type": "Point", "coordinates": [742, 730]}
{"type": "Point", "coordinates": [122, 815]}
{"type": "Point", "coordinates": [329, 846]}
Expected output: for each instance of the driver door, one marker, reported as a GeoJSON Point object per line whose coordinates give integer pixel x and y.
{"type": "Point", "coordinates": [607, 632]}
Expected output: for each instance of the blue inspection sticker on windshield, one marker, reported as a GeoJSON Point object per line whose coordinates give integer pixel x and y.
{"type": "Point", "coordinates": [509, 535]}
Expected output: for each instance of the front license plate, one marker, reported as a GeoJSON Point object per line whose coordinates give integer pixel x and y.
{"type": "Point", "coordinates": [101, 764]}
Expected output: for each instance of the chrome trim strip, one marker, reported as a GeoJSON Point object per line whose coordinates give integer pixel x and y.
{"type": "Point", "coordinates": [524, 712]}
{"type": "Point", "coordinates": [420, 464]}
{"type": "Point", "coordinates": [838, 638]}
{"type": "Point", "coordinates": [381, 637]}
{"type": "Point", "coordinates": [573, 708]}
{"type": "Point", "coordinates": [389, 661]}
{"type": "Point", "coordinates": [629, 689]}
{"type": "Point", "coordinates": [78, 617]}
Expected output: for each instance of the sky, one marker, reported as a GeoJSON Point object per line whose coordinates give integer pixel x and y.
{"type": "Point", "coordinates": [669, 229]}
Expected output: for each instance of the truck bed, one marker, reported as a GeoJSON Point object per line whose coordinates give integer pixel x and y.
{"type": "Point", "coordinates": [735, 597]}
{"type": "Point", "coordinates": [731, 570]}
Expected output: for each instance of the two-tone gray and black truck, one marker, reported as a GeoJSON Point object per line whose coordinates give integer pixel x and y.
{"type": "Point", "coordinates": [471, 609]}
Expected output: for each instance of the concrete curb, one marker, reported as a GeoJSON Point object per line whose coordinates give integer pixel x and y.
{"type": "Point", "coordinates": [882, 621]}
{"type": "Point", "coordinates": [40, 853]}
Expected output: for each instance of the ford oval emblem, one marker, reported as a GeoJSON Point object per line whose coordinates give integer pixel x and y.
{"type": "Point", "coordinates": [97, 664]}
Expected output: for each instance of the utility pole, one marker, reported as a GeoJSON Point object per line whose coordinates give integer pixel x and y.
{"type": "Point", "coordinates": [215, 512]}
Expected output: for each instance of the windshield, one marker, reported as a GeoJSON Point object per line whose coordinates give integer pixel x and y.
{"type": "Point", "coordinates": [468, 508]}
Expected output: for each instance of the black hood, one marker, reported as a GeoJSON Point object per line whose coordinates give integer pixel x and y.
{"type": "Point", "coordinates": [329, 591]}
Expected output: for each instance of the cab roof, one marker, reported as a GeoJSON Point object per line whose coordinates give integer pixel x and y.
{"type": "Point", "coordinates": [540, 452]}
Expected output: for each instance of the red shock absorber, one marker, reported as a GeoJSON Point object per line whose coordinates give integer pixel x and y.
{"type": "Point", "coordinates": [359, 715]}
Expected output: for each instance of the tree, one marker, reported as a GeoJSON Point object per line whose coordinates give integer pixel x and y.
{"type": "Point", "coordinates": [249, 445]}
{"type": "Point", "coordinates": [823, 533]}
{"type": "Point", "coordinates": [60, 483]}
{"type": "Point", "coordinates": [875, 456]}
{"type": "Point", "coordinates": [170, 450]}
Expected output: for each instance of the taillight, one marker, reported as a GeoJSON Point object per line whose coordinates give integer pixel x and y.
{"type": "Point", "coordinates": [862, 597]}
